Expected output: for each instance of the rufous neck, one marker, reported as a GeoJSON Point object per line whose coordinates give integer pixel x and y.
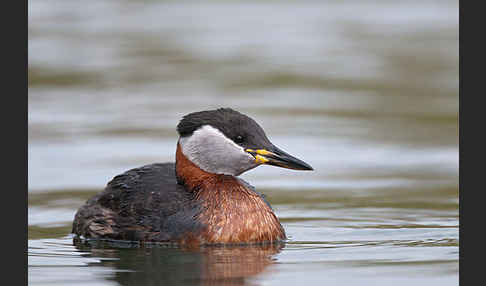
{"type": "Point", "coordinates": [189, 174]}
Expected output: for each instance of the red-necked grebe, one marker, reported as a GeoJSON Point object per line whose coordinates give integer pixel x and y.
{"type": "Point", "coordinates": [198, 199]}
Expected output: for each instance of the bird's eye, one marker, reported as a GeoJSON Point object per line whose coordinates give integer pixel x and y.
{"type": "Point", "coordinates": [239, 139]}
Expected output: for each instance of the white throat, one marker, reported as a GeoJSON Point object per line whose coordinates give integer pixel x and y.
{"type": "Point", "coordinates": [213, 152]}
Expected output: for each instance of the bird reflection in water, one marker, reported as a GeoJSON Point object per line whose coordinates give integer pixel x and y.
{"type": "Point", "coordinates": [215, 265]}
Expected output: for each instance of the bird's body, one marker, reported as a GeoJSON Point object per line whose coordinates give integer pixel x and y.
{"type": "Point", "coordinates": [184, 202]}
{"type": "Point", "coordinates": [148, 204]}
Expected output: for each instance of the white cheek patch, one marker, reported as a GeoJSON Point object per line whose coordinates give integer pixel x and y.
{"type": "Point", "coordinates": [213, 152]}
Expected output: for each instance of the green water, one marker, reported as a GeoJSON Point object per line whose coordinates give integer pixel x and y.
{"type": "Point", "coordinates": [366, 92]}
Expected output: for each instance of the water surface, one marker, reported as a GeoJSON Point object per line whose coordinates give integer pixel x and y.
{"type": "Point", "coordinates": [366, 92]}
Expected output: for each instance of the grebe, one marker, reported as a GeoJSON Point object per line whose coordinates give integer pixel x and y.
{"type": "Point", "coordinates": [198, 199]}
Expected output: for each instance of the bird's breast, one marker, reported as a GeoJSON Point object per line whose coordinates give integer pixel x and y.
{"type": "Point", "coordinates": [236, 214]}
{"type": "Point", "coordinates": [231, 211]}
